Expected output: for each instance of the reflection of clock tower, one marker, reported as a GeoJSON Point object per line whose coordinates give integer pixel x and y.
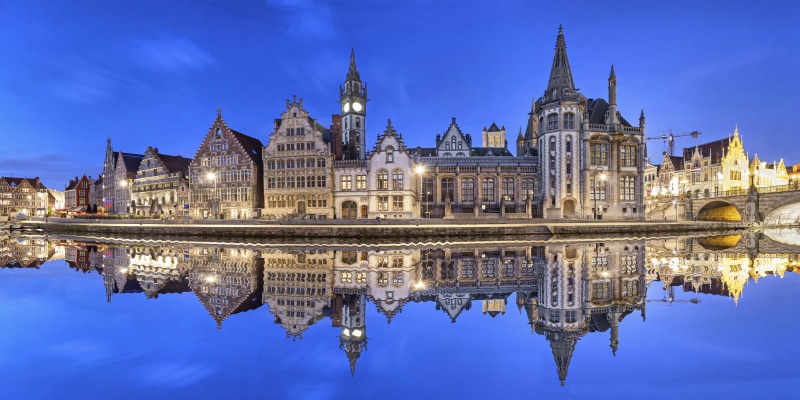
{"type": "Point", "coordinates": [353, 99]}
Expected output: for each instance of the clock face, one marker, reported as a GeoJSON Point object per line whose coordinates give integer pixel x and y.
{"type": "Point", "coordinates": [346, 107]}
{"type": "Point", "coordinates": [356, 106]}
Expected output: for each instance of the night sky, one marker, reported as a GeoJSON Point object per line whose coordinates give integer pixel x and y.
{"type": "Point", "coordinates": [153, 73]}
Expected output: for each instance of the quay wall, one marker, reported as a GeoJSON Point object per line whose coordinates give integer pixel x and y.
{"type": "Point", "coordinates": [369, 231]}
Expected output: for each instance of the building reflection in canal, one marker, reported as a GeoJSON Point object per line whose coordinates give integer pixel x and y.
{"type": "Point", "coordinates": [567, 290]}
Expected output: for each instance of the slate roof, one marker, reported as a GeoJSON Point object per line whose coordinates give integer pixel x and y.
{"type": "Point", "coordinates": [175, 163]}
{"type": "Point", "coordinates": [677, 162]}
{"type": "Point", "coordinates": [598, 108]}
{"type": "Point", "coordinates": [252, 146]}
{"type": "Point", "coordinates": [132, 161]}
{"type": "Point", "coordinates": [494, 128]}
{"type": "Point", "coordinates": [714, 149]}
{"type": "Point", "coordinates": [490, 151]}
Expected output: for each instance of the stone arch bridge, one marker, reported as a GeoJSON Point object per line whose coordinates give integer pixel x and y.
{"type": "Point", "coordinates": [771, 206]}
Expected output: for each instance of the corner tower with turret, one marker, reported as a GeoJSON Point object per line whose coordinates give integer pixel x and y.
{"type": "Point", "coordinates": [592, 159]}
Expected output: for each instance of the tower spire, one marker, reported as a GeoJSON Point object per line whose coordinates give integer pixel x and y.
{"type": "Point", "coordinates": [560, 73]}
{"type": "Point", "coordinates": [352, 72]}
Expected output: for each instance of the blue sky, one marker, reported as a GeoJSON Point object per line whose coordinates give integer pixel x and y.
{"type": "Point", "coordinates": [152, 73]}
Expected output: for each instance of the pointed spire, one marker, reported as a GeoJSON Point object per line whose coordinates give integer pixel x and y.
{"type": "Point", "coordinates": [219, 112]}
{"type": "Point", "coordinates": [562, 346]}
{"type": "Point", "coordinates": [560, 73]}
{"type": "Point", "coordinates": [736, 131]}
{"type": "Point", "coordinates": [612, 75]}
{"type": "Point", "coordinates": [352, 73]}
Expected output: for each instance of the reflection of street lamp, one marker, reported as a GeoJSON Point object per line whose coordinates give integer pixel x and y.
{"type": "Point", "coordinates": [420, 169]}
{"type": "Point", "coordinates": [597, 171]}
{"type": "Point", "coordinates": [651, 209]}
{"type": "Point", "coordinates": [427, 199]}
{"type": "Point", "coordinates": [675, 204]}
{"type": "Point", "coordinates": [213, 176]}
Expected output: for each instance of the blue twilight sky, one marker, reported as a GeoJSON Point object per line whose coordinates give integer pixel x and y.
{"type": "Point", "coordinates": [152, 73]}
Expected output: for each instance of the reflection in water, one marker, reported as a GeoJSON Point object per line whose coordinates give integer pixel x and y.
{"type": "Point", "coordinates": [567, 290]}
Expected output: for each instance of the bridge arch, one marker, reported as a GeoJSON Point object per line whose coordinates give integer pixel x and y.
{"type": "Point", "coordinates": [719, 210]}
{"type": "Point", "coordinates": [786, 214]}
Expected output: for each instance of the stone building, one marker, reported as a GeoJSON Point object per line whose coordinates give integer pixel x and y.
{"type": "Point", "coordinates": [591, 158]}
{"type": "Point", "coordinates": [383, 184]}
{"type": "Point", "coordinates": [77, 196]}
{"type": "Point", "coordinates": [297, 166]}
{"type": "Point", "coordinates": [297, 288]}
{"type": "Point", "coordinates": [109, 166]}
{"type": "Point", "coordinates": [27, 196]}
{"type": "Point", "coordinates": [462, 181]}
{"type": "Point", "coordinates": [227, 281]}
{"type": "Point", "coordinates": [226, 174]}
{"type": "Point", "coordinates": [125, 169]}
{"type": "Point", "coordinates": [158, 182]}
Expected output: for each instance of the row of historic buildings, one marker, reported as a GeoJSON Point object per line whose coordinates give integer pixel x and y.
{"type": "Point", "coordinates": [577, 158]}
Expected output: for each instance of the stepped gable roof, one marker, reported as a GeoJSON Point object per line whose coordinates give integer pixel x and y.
{"type": "Point", "coordinates": [252, 146]}
{"type": "Point", "coordinates": [715, 150]}
{"type": "Point", "coordinates": [132, 161]}
{"type": "Point", "coordinates": [175, 163]}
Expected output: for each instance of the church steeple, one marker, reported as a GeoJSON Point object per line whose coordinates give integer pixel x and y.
{"type": "Point", "coordinates": [560, 74]}
{"type": "Point", "coordinates": [611, 116]}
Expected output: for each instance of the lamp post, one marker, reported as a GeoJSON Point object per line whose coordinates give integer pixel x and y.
{"type": "Point", "coordinates": [420, 169]}
{"type": "Point", "coordinates": [214, 205]}
{"type": "Point", "coordinates": [597, 171]}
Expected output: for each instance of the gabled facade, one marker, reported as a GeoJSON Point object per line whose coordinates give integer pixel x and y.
{"type": "Point", "coordinates": [297, 166]}
{"type": "Point", "coordinates": [592, 159]}
{"type": "Point", "coordinates": [27, 196]}
{"type": "Point", "coordinates": [77, 195]}
{"type": "Point", "coordinates": [109, 165]}
{"type": "Point", "coordinates": [127, 165]}
{"type": "Point", "coordinates": [461, 181]}
{"type": "Point", "coordinates": [383, 185]}
{"type": "Point", "coordinates": [158, 182]}
{"type": "Point", "coordinates": [226, 175]}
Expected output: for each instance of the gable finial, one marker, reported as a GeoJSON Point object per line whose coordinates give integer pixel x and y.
{"type": "Point", "coordinates": [219, 112]}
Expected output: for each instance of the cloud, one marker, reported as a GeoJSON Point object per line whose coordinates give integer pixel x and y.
{"type": "Point", "coordinates": [171, 54]}
{"type": "Point", "coordinates": [306, 18]}
{"type": "Point", "coordinates": [84, 85]}
{"type": "Point", "coordinates": [173, 374]}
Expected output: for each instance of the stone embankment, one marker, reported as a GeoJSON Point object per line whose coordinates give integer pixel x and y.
{"type": "Point", "coordinates": [369, 230]}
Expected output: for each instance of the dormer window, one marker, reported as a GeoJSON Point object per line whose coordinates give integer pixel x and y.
{"type": "Point", "coordinates": [389, 155]}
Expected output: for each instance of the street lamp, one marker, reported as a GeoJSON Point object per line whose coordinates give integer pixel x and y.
{"type": "Point", "coordinates": [214, 205]}
{"type": "Point", "coordinates": [597, 171]}
{"type": "Point", "coordinates": [420, 169]}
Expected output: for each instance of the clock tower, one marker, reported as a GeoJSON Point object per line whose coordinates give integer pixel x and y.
{"type": "Point", "coordinates": [353, 100]}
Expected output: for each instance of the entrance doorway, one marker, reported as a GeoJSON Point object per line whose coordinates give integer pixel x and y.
{"type": "Point", "coordinates": [349, 210]}
{"type": "Point", "coordinates": [301, 207]}
{"type": "Point", "coordinates": [364, 211]}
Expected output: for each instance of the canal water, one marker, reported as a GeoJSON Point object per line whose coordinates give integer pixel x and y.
{"type": "Point", "coordinates": [598, 318]}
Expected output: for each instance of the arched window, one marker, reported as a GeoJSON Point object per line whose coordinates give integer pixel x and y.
{"type": "Point", "coordinates": [448, 189]}
{"type": "Point", "coordinates": [383, 179]}
{"type": "Point", "coordinates": [358, 122]}
{"type": "Point", "coordinates": [389, 154]}
{"type": "Point", "coordinates": [397, 179]}
{"type": "Point", "coordinates": [552, 122]}
{"type": "Point", "coordinates": [289, 164]}
{"type": "Point", "coordinates": [488, 190]}
{"type": "Point", "coordinates": [468, 190]}
{"type": "Point", "coordinates": [509, 189]}
{"type": "Point", "coordinates": [280, 164]}
{"type": "Point", "coordinates": [447, 146]}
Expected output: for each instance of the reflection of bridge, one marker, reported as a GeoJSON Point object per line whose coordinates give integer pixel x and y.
{"type": "Point", "coordinates": [777, 205]}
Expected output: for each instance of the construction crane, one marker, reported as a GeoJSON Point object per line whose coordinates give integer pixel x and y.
{"type": "Point", "coordinates": [670, 139]}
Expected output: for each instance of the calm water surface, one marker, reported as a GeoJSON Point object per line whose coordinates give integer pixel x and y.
{"type": "Point", "coordinates": [661, 318]}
